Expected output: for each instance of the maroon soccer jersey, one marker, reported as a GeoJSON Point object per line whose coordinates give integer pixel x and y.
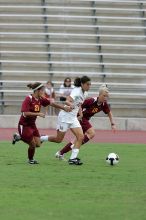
{"type": "Point", "coordinates": [31, 104]}
{"type": "Point", "coordinates": [90, 107]}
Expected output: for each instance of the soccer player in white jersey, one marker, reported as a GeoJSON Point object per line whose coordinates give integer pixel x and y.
{"type": "Point", "coordinates": [69, 120]}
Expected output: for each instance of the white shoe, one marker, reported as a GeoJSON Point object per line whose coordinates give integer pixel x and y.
{"type": "Point", "coordinates": [59, 156]}
{"type": "Point", "coordinates": [33, 162]}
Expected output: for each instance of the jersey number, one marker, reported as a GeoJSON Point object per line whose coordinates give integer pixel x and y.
{"type": "Point", "coordinates": [36, 108]}
{"type": "Point", "coordinates": [95, 110]}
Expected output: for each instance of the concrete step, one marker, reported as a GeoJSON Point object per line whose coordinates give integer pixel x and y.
{"type": "Point", "coordinates": [26, 66]}
{"type": "Point", "coordinates": [15, 2]}
{"type": "Point", "coordinates": [114, 69]}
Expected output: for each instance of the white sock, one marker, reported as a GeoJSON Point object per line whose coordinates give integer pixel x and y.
{"type": "Point", "coordinates": [74, 154]}
{"type": "Point", "coordinates": [44, 138]}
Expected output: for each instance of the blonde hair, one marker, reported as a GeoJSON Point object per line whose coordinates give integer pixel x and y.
{"type": "Point", "coordinates": [103, 88]}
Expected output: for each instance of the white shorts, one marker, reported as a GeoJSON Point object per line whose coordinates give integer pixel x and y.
{"type": "Point", "coordinates": [64, 126]}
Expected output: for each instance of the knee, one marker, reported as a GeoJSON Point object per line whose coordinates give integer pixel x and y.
{"type": "Point", "coordinates": [81, 137]}
{"type": "Point", "coordinates": [58, 140]}
{"type": "Point", "coordinates": [38, 143]}
{"type": "Point", "coordinates": [92, 135]}
{"type": "Point", "coordinates": [32, 146]}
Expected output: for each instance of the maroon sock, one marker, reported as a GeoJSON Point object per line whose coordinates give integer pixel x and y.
{"type": "Point", "coordinates": [86, 139]}
{"type": "Point", "coordinates": [31, 152]}
{"type": "Point", "coordinates": [66, 149]}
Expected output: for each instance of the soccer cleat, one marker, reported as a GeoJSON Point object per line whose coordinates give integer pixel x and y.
{"type": "Point", "coordinates": [75, 161]}
{"type": "Point", "coordinates": [33, 162]}
{"type": "Point", "coordinates": [59, 156]}
{"type": "Point", "coordinates": [16, 137]}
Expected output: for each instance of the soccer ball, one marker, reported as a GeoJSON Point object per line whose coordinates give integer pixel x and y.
{"type": "Point", "coordinates": [112, 159]}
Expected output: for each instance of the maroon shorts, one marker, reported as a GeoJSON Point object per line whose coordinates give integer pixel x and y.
{"type": "Point", "coordinates": [85, 125]}
{"type": "Point", "coordinates": [28, 132]}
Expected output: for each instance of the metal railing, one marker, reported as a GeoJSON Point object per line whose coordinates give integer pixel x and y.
{"type": "Point", "coordinates": [47, 36]}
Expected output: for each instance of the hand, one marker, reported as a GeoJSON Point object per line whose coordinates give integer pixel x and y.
{"type": "Point", "coordinates": [80, 117]}
{"type": "Point", "coordinates": [42, 115]}
{"type": "Point", "coordinates": [72, 106]}
{"type": "Point", "coordinates": [113, 127]}
{"type": "Point", "coordinates": [67, 108]}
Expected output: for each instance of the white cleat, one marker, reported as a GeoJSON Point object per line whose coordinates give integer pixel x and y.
{"type": "Point", "coordinates": [59, 156]}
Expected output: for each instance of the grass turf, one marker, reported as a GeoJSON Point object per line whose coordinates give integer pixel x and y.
{"type": "Point", "coordinates": [57, 191]}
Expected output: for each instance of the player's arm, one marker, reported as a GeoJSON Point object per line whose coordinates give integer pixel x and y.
{"type": "Point", "coordinates": [80, 114]}
{"type": "Point", "coordinates": [45, 102]}
{"type": "Point", "coordinates": [113, 126]}
{"type": "Point", "coordinates": [66, 108]}
{"type": "Point", "coordinates": [69, 102]}
{"type": "Point", "coordinates": [30, 114]}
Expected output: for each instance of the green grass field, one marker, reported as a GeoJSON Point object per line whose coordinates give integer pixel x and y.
{"type": "Point", "coordinates": [55, 190]}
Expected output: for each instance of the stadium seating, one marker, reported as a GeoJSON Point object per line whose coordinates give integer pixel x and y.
{"type": "Point", "coordinates": [52, 39]}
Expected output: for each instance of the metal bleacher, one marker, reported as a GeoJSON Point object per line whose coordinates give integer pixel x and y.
{"type": "Point", "coordinates": [52, 39]}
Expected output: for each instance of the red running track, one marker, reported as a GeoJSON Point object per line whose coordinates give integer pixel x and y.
{"type": "Point", "coordinates": [100, 137]}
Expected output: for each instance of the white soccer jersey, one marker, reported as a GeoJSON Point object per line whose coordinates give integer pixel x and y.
{"type": "Point", "coordinates": [78, 98]}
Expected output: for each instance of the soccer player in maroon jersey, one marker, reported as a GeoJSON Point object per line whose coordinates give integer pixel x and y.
{"type": "Point", "coordinates": [90, 107]}
{"type": "Point", "coordinates": [30, 109]}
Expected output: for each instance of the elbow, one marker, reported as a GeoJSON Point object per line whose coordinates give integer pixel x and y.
{"type": "Point", "coordinates": [24, 114]}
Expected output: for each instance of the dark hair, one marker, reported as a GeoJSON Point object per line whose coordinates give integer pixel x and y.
{"type": "Point", "coordinates": [35, 85]}
{"type": "Point", "coordinates": [69, 79]}
{"type": "Point", "coordinates": [52, 84]}
{"type": "Point", "coordinates": [78, 81]}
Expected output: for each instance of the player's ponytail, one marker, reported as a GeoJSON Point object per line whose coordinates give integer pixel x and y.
{"type": "Point", "coordinates": [35, 86]}
{"type": "Point", "coordinates": [78, 81]}
{"type": "Point", "coordinates": [30, 85]}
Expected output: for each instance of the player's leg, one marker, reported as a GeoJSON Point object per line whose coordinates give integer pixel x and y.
{"type": "Point", "coordinates": [27, 136]}
{"type": "Point", "coordinates": [36, 136]}
{"type": "Point", "coordinates": [58, 138]}
{"type": "Point", "coordinates": [87, 130]}
{"type": "Point", "coordinates": [31, 152]}
{"type": "Point", "coordinates": [66, 148]}
{"type": "Point", "coordinates": [62, 127]}
{"type": "Point", "coordinates": [37, 141]}
{"type": "Point", "coordinates": [89, 133]}
{"type": "Point", "coordinates": [78, 132]}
